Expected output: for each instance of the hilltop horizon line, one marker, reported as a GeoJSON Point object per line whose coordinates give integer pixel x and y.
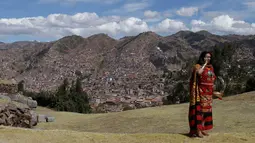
{"type": "Point", "coordinates": [85, 37]}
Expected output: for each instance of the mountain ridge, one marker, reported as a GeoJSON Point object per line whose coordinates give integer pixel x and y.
{"type": "Point", "coordinates": [141, 66]}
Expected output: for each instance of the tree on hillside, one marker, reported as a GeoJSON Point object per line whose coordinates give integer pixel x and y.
{"type": "Point", "coordinates": [179, 94]}
{"type": "Point", "coordinates": [21, 86]}
{"type": "Point", "coordinates": [72, 99]}
{"type": "Point", "coordinates": [79, 98]}
{"type": "Point", "coordinates": [78, 86]}
{"type": "Point", "coordinates": [61, 96]}
{"type": "Point", "coordinates": [217, 59]}
{"type": "Point", "coordinates": [250, 85]}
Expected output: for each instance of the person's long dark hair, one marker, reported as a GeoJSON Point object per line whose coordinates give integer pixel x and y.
{"type": "Point", "coordinates": [202, 56]}
{"type": "Point", "coordinates": [212, 61]}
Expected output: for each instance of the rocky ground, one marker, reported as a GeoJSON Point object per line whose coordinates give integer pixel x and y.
{"type": "Point", "coordinates": [19, 111]}
{"type": "Point", "coordinates": [11, 115]}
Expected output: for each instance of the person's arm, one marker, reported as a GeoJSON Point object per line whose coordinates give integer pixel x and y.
{"type": "Point", "coordinates": [216, 93]}
{"type": "Point", "coordinates": [201, 69]}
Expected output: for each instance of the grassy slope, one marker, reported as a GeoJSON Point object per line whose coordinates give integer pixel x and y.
{"type": "Point", "coordinates": [233, 122]}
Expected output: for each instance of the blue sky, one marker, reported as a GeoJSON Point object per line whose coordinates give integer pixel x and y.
{"type": "Point", "coordinates": [47, 20]}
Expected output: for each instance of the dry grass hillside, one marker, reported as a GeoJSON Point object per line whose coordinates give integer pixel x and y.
{"type": "Point", "coordinates": [233, 122]}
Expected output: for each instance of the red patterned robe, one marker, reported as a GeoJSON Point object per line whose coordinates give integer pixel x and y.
{"type": "Point", "coordinates": [201, 91]}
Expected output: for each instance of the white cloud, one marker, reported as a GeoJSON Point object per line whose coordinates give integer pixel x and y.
{"type": "Point", "coordinates": [55, 25]}
{"type": "Point", "coordinates": [167, 13]}
{"type": "Point", "coordinates": [197, 22]}
{"type": "Point", "coordinates": [223, 21]}
{"type": "Point", "coordinates": [151, 14]}
{"type": "Point", "coordinates": [250, 4]}
{"type": "Point", "coordinates": [187, 11]}
{"type": "Point", "coordinates": [241, 10]}
{"type": "Point", "coordinates": [212, 14]}
{"type": "Point", "coordinates": [238, 15]}
{"type": "Point", "coordinates": [75, 1]}
{"type": "Point", "coordinates": [224, 24]}
{"type": "Point", "coordinates": [131, 7]}
{"type": "Point", "coordinates": [129, 26]}
{"type": "Point", "coordinates": [84, 24]}
{"type": "Point", "coordinates": [169, 26]}
{"type": "Point", "coordinates": [135, 6]}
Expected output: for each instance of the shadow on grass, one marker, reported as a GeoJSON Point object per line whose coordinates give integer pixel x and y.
{"type": "Point", "coordinates": [187, 135]}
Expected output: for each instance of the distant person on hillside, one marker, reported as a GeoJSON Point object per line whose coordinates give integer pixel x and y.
{"type": "Point", "coordinates": [201, 92]}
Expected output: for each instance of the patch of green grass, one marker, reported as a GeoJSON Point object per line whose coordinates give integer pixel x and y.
{"type": "Point", "coordinates": [6, 82]}
{"type": "Point", "coordinates": [232, 114]}
{"type": "Point", "coordinates": [15, 135]}
{"type": "Point", "coordinates": [233, 123]}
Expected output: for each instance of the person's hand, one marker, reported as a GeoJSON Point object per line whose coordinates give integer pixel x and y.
{"type": "Point", "coordinates": [206, 61]}
{"type": "Point", "coordinates": [202, 68]}
{"type": "Point", "coordinates": [218, 95]}
{"type": "Point", "coordinates": [205, 64]}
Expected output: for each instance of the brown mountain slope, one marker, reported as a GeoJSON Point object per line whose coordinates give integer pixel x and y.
{"type": "Point", "coordinates": [143, 66]}
{"type": "Point", "coordinates": [63, 59]}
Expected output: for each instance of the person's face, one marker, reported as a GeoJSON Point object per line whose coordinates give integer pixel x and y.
{"type": "Point", "coordinates": [207, 58]}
